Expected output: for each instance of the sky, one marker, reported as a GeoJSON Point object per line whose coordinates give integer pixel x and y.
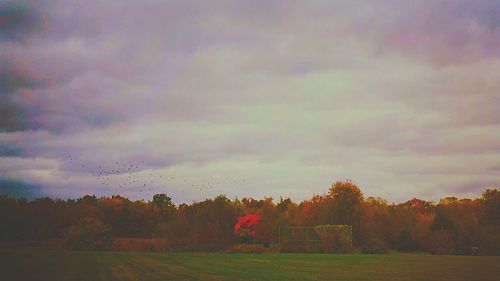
{"type": "Point", "coordinates": [249, 98]}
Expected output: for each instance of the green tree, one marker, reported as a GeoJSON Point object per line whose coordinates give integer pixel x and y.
{"type": "Point", "coordinates": [491, 222]}
{"type": "Point", "coordinates": [162, 200]}
{"type": "Point", "coordinates": [491, 202]}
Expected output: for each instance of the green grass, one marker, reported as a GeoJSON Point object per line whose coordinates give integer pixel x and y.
{"type": "Point", "coordinates": [35, 264]}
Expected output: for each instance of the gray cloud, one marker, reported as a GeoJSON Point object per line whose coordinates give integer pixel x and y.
{"type": "Point", "coordinates": [11, 150]}
{"type": "Point", "coordinates": [447, 32]}
{"type": "Point", "coordinates": [289, 95]}
{"type": "Point", "coordinates": [18, 189]}
{"type": "Point", "coordinates": [19, 20]}
{"type": "Point", "coordinates": [14, 77]}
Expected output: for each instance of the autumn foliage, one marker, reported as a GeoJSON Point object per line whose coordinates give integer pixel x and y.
{"type": "Point", "coordinates": [246, 227]}
{"type": "Point", "coordinates": [450, 226]}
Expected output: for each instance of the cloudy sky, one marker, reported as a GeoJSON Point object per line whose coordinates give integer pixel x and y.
{"type": "Point", "coordinates": [249, 98]}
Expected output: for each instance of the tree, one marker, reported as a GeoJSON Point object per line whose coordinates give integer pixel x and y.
{"type": "Point", "coordinates": [246, 226]}
{"type": "Point", "coordinates": [88, 234]}
{"type": "Point", "coordinates": [284, 204]}
{"type": "Point", "coordinates": [491, 202]}
{"type": "Point", "coordinates": [317, 210]}
{"type": "Point", "coordinates": [491, 221]}
{"type": "Point", "coordinates": [347, 202]}
{"type": "Point", "coordinates": [162, 200]}
{"type": "Point", "coordinates": [442, 220]}
{"type": "Point", "coordinates": [334, 238]}
{"type": "Point", "coordinates": [267, 227]}
{"type": "Point", "coordinates": [405, 242]}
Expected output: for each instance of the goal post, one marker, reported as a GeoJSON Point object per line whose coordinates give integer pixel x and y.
{"type": "Point", "coordinates": [328, 238]}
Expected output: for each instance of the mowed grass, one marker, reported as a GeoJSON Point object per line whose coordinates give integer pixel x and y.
{"type": "Point", "coordinates": [36, 264]}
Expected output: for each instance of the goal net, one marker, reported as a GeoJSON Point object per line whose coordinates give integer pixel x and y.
{"type": "Point", "coordinates": [328, 238]}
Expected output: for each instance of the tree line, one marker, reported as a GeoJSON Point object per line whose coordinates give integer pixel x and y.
{"type": "Point", "coordinates": [450, 226]}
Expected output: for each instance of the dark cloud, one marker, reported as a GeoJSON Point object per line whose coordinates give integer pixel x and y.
{"type": "Point", "coordinates": [14, 77]}
{"type": "Point", "coordinates": [10, 116]}
{"type": "Point", "coordinates": [213, 86]}
{"type": "Point", "coordinates": [11, 150]}
{"type": "Point", "coordinates": [17, 188]}
{"type": "Point", "coordinates": [18, 20]}
{"type": "Point", "coordinates": [32, 101]}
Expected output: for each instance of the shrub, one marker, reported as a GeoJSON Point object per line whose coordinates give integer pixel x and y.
{"type": "Point", "coordinates": [375, 245]}
{"type": "Point", "coordinates": [245, 236]}
{"type": "Point", "coordinates": [334, 238]}
{"type": "Point", "coordinates": [490, 243]}
{"type": "Point", "coordinates": [405, 242]}
{"type": "Point", "coordinates": [441, 242]}
{"type": "Point", "coordinates": [249, 248]}
{"type": "Point", "coordinates": [88, 234]}
{"type": "Point", "coordinates": [140, 244]}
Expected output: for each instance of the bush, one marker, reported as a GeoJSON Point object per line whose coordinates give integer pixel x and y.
{"type": "Point", "coordinates": [140, 244]}
{"type": "Point", "coordinates": [251, 248]}
{"type": "Point", "coordinates": [441, 242]}
{"type": "Point", "coordinates": [405, 242]}
{"type": "Point", "coordinates": [490, 243]}
{"type": "Point", "coordinates": [375, 245]}
{"type": "Point", "coordinates": [88, 234]}
{"type": "Point", "coordinates": [334, 238]}
{"type": "Point", "coordinates": [245, 236]}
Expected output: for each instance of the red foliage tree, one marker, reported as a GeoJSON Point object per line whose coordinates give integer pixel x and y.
{"type": "Point", "coordinates": [246, 226]}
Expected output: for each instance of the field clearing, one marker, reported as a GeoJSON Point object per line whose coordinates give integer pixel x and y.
{"type": "Point", "coordinates": [35, 264]}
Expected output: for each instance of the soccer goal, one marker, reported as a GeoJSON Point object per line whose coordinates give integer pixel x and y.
{"type": "Point", "coordinates": [328, 238]}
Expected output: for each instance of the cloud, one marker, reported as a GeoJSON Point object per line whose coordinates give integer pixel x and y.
{"type": "Point", "coordinates": [447, 32]}
{"type": "Point", "coordinates": [18, 189]}
{"type": "Point", "coordinates": [11, 150]}
{"type": "Point", "coordinates": [15, 76]}
{"type": "Point", "coordinates": [19, 20]}
{"type": "Point", "coordinates": [291, 96]}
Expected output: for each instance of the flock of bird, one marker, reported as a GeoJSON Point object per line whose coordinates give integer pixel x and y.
{"type": "Point", "coordinates": [138, 176]}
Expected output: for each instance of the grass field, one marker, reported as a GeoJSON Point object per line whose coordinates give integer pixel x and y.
{"type": "Point", "coordinates": [35, 264]}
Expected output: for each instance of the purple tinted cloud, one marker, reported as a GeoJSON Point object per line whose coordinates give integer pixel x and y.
{"type": "Point", "coordinates": [287, 94]}
{"type": "Point", "coordinates": [447, 32]}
